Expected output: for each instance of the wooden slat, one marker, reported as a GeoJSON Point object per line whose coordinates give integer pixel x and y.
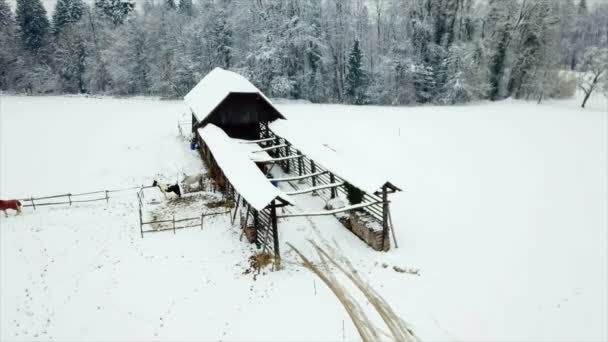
{"type": "Point", "coordinates": [315, 188]}
{"type": "Point", "coordinates": [273, 147]}
{"type": "Point", "coordinates": [272, 160]}
{"type": "Point", "coordinates": [329, 212]}
{"type": "Point", "coordinates": [256, 141]}
{"type": "Point", "coordinates": [289, 179]}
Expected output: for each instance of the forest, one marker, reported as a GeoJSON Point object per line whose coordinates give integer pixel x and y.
{"type": "Point", "coordinates": [389, 52]}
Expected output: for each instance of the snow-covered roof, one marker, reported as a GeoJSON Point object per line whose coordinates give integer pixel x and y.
{"type": "Point", "coordinates": [214, 88]}
{"type": "Point", "coordinates": [359, 174]}
{"type": "Point", "coordinates": [243, 174]}
{"type": "Point", "coordinates": [254, 151]}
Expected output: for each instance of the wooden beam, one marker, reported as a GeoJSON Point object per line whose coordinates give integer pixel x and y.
{"type": "Point", "coordinates": [315, 188]}
{"type": "Point", "coordinates": [275, 236]}
{"type": "Point", "coordinates": [289, 179]}
{"type": "Point", "coordinates": [255, 141]}
{"type": "Point", "coordinates": [329, 212]}
{"type": "Point", "coordinates": [269, 148]}
{"type": "Point", "coordinates": [272, 160]}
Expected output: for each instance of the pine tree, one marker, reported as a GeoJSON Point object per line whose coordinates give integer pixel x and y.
{"type": "Point", "coordinates": [185, 7]}
{"type": "Point", "coordinates": [170, 4]}
{"type": "Point", "coordinates": [356, 79]}
{"type": "Point", "coordinates": [465, 76]}
{"type": "Point", "coordinates": [583, 9]}
{"type": "Point", "coordinates": [33, 25]}
{"type": "Point", "coordinates": [116, 11]}
{"type": "Point", "coordinates": [220, 40]}
{"type": "Point", "coordinates": [8, 47]}
{"type": "Point", "coordinates": [66, 12]}
{"type": "Point", "coordinates": [70, 59]}
{"type": "Point", "coordinates": [500, 14]}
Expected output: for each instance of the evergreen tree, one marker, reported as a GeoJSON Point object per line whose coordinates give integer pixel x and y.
{"type": "Point", "coordinates": [356, 79]}
{"type": "Point", "coordinates": [8, 47]}
{"type": "Point", "coordinates": [33, 25]}
{"type": "Point", "coordinates": [466, 79]}
{"type": "Point", "coordinates": [500, 14]}
{"type": "Point", "coordinates": [185, 7]}
{"type": "Point", "coordinates": [70, 59]}
{"type": "Point", "coordinates": [220, 40]}
{"type": "Point", "coordinates": [116, 11]}
{"type": "Point", "coordinates": [170, 4]}
{"type": "Point", "coordinates": [66, 12]}
{"type": "Point", "coordinates": [583, 9]}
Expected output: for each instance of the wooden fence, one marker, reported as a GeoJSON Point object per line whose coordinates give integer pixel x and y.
{"type": "Point", "coordinates": [173, 224]}
{"type": "Point", "coordinates": [69, 198]}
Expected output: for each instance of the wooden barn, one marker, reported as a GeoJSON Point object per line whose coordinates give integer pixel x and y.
{"type": "Point", "coordinates": [230, 102]}
{"type": "Point", "coordinates": [241, 139]}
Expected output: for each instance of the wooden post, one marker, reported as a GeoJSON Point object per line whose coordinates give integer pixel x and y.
{"type": "Point", "coordinates": [173, 224]}
{"type": "Point", "coordinates": [107, 197]}
{"type": "Point", "coordinates": [276, 152]}
{"type": "Point", "coordinates": [386, 242]}
{"type": "Point", "coordinates": [202, 220]}
{"type": "Point", "coordinates": [33, 204]}
{"type": "Point", "coordinates": [141, 226]}
{"type": "Point", "coordinates": [70, 199]}
{"type": "Point", "coordinates": [236, 208]}
{"type": "Point", "coordinates": [299, 165]}
{"type": "Point", "coordinates": [275, 235]}
{"type": "Point", "coordinates": [313, 169]}
{"type": "Point", "coordinates": [332, 179]}
{"type": "Point", "coordinates": [287, 154]}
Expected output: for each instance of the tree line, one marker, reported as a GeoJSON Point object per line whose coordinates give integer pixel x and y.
{"type": "Point", "coordinates": [392, 52]}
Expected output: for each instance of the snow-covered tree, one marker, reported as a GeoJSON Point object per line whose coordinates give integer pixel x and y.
{"type": "Point", "coordinates": [33, 25]}
{"type": "Point", "coordinates": [466, 79]}
{"type": "Point", "coordinates": [116, 11]}
{"type": "Point", "coordinates": [9, 52]}
{"type": "Point", "coordinates": [220, 39]}
{"type": "Point", "coordinates": [593, 70]}
{"type": "Point", "coordinates": [70, 59]}
{"type": "Point", "coordinates": [534, 52]}
{"type": "Point", "coordinates": [186, 7]}
{"type": "Point", "coordinates": [66, 12]}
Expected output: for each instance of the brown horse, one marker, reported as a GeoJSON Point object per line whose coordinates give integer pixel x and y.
{"type": "Point", "coordinates": [10, 204]}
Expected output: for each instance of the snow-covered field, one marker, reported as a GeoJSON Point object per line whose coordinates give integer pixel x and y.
{"type": "Point", "coordinates": [504, 212]}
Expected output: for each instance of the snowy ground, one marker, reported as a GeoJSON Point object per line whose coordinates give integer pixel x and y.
{"type": "Point", "coordinates": [504, 212]}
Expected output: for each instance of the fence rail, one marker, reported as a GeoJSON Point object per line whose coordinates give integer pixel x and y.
{"type": "Point", "coordinates": [200, 220]}
{"type": "Point", "coordinates": [68, 198]}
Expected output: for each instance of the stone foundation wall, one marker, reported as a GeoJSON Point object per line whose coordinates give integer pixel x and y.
{"type": "Point", "coordinates": [361, 225]}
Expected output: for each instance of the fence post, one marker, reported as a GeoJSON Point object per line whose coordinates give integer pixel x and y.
{"type": "Point", "coordinates": [33, 204]}
{"type": "Point", "coordinates": [173, 224]}
{"type": "Point", "coordinates": [70, 199]}
{"type": "Point", "coordinates": [299, 164]}
{"type": "Point", "coordinates": [107, 197]}
{"type": "Point", "coordinates": [202, 220]}
{"type": "Point", "coordinates": [141, 226]}
{"type": "Point", "coordinates": [332, 179]}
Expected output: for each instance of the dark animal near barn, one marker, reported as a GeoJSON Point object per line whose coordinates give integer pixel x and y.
{"type": "Point", "coordinates": [165, 188]}
{"type": "Point", "coordinates": [10, 204]}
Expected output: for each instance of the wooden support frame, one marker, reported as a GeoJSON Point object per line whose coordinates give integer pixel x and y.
{"type": "Point", "coordinates": [275, 235]}
{"type": "Point", "coordinates": [273, 160]}
{"type": "Point", "coordinates": [329, 212]}
{"type": "Point", "coordinates": [289, 179]}
{"type": "Point", "coordinates": [320, 187]}
{"type": "Point", "coordinates": [256, 141]}
{"type": "Point", "coordinates": [273, 147]}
